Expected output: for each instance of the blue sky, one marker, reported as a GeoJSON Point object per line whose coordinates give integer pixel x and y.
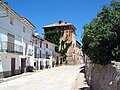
{"type": "Point", "coordinates": [44, 12]}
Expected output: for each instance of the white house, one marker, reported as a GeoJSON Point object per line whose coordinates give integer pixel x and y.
{"type": "Point", "coordinates": [44, 53]}
{"type": "Point", "coordinates": [16, 49]}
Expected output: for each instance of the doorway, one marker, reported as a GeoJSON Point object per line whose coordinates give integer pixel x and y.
{"type": "Point", "coordinates": [12, 66]}
{"type": "Point", "coordinates": [37, 65]}
{"type": "Point", "coordinates": [23, 65]}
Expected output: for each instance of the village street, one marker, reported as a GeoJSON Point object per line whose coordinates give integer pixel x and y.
{"type": "Point", "coordinates": [58, 78]}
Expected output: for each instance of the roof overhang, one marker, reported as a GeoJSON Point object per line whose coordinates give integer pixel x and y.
{"type": "Point", "coordinates": [59, 25]}
{"type": "Point", "coordinates": [27, 22]}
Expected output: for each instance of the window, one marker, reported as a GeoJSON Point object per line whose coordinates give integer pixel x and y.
{"type": "Point", "coordinates": [40, 44]}
{"type": "Point", "coordinates": [67, 36]}
{"type": "Point", "coordinates": [73, 45]}
{"type": "Point", "coordinates": [23, 29]}
{"type": "Point", "coordinates": [40, 53]}
{"type": "Point", "coordinates": [53, 54]}
{"type": "Point", "coordinates": [34, 63]}
{"type": "Point", "coordinates": [11, 21]}
{"type": "Point", "coordinates": [35, 41]}
{"type": "Point", "coordinates": [47, 55]}
{"type": "Point", "coordinates": [69, 33]}
{"type": "Point", "coordinates": [10, 43]}
{"type": "Point", "coordinates": [26, 46]}
{"type": "Point", "coordinates": [46, 45]}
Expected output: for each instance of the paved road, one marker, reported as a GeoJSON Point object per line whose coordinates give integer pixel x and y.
{"type": "Point", "coordinates": [59, 78]}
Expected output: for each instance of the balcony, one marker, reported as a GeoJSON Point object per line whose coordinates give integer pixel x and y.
{"type": "Point", "coordinates": [30, 52]}
{"type": "Point", "coordinates": [10, 47]}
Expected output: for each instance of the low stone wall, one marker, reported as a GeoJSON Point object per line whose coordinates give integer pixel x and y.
{"type": "Point", "coordinates": [79, 81]}
{"type": "Point", "coordinates": [103, 77]}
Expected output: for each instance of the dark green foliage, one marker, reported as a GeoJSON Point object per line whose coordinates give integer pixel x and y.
{"type": "Point", "coordinates": [63, 49]}
{"type": "Point", "coordinates": [101, 38]}
{"type": "Point", "coordinates": [54, 37]}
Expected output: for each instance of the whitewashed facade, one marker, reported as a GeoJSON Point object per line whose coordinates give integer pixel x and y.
{"type": "Point", "coordinates": [16, 48]}
{"type": "Point", "coordinates": [44, 53]}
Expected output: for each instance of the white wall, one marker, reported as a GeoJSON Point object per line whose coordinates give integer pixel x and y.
{"type": "Point", "coordinates": [16, 29]}
{"type": "Point", "coordinates": [21, 38]}
{"type": "Point", "coordinates": [6, 62]}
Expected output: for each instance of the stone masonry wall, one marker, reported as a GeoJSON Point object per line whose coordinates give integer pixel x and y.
{"type": "Point", "coordinates": [103, 77]}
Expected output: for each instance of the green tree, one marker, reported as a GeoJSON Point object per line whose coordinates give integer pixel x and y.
{"type": "Point", "coordinates": [101, 37]}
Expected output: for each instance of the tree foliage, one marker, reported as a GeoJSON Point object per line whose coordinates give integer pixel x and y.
{"type": "Point", "coordinates": [54, 37]}
{"type": "Point", "coordinates": [101, 37]}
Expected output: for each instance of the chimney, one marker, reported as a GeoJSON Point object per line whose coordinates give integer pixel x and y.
{"type": "Point", "coordinates": [36, 33]}
{"type": "Point", "coordinates": [6, 3]}
{"type": "Point", "coordinates": [65, 22]}
{"type": "Point", "coordinates": [60, 21]}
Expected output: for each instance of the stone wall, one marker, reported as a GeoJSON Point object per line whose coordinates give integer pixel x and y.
{"type": "Point", "coordinates": [103, 77]}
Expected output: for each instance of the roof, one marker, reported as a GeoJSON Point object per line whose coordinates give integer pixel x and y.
{"type": "Point", "coordinates": [28, 22]}
{"type": "Point", "coordinates": [58, 25]}
{"type": "Point", "coordinates": [78, 42]}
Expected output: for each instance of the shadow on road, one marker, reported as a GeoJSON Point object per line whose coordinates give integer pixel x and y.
{"type": "Point", "coordinates": [82, 70]}
{"type": "Point", "coordinates": [84, 88]}
{"type": "Point", "coordinates": [82, 67]}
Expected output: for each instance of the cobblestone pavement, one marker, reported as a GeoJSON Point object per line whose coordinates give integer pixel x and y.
{"type": "Point", "coordinates": [58, 78]}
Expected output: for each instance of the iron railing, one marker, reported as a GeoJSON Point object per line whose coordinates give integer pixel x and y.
{"type": "Point", "coordinates": [30, 52]}
{"type": "Point", "coordinates": [10, 47]}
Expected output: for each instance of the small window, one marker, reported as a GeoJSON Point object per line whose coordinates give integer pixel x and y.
{"type": "Point", "coordinates": [53, 53]}
{"type": "Point", "coordinates": [67, 36]}
{"type": "Point", "coordinates": [40, 54]}
{"type": "Point", "coordinates": [73, 45]}
{"type": "Point", "coordinates": [46, 45]}
{"type": "Point", "coordinates": [23, 29]}
{"type": "Point", "coordinates": [35, 41]}
{"type": "Point", "coordinates": [69, 33]}
{"type": "Point", "coordinates": [40, 44]}
{"type": "Point", "coordinates": [47, 55]}
{"type": "Point", "coordinates": [11, 21]}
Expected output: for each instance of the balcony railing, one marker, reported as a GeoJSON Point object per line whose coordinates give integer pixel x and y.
{"type": "Point", "coordinates": [30, 52]}
{"type": "Point", "coordinates": [10, 47]}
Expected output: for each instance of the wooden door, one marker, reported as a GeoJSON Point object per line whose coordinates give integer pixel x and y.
{"type": "Point", "coordinates": [37, 65]}
{"type": "Point", "coordinates": [12, 66]}
{"type": "Point", "coordinates": [23, 64]}
{"type": "Point", "coordinates": [10, 43]}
